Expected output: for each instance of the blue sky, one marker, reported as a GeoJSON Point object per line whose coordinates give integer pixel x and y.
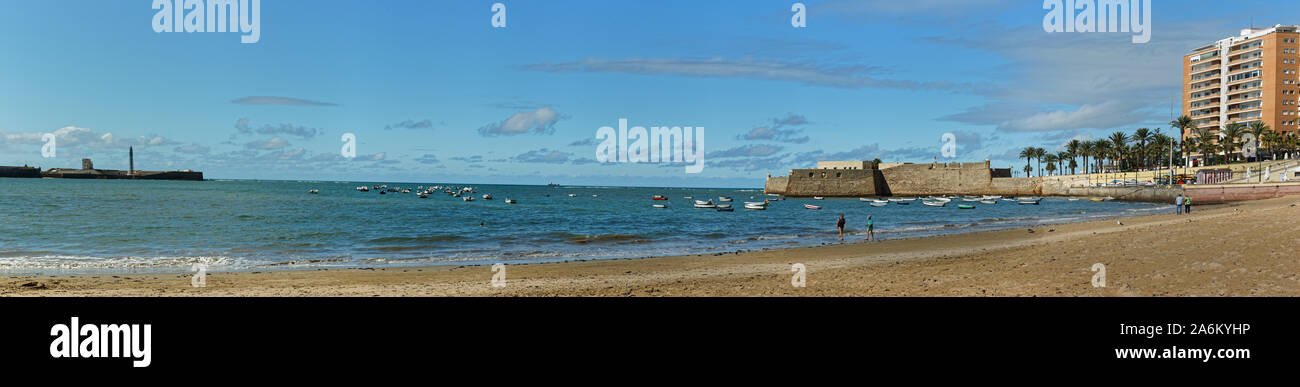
{"type": "Point", "coordinates": [434, 93]}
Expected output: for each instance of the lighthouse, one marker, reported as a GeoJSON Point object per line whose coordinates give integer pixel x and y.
{"type": "Point", "coordinates": [130, 154]}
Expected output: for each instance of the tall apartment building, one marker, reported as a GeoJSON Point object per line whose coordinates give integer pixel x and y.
{"type": "Point", "coordinates": [1245, 78]}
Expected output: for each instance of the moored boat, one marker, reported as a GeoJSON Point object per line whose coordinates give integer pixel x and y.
{"type": "Point", "coordinates": [812, 207]}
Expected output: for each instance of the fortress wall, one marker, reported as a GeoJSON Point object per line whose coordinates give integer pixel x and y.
{"type": "Point", "coordinates": [1013, 186]}
{"type": "Point", "coordinates": [20, 172]}
{"type": "Point", "coordinates": [832, 182]}
{"type": "Point", "coordinates": [776, 185]}
{"type": "Point", "coordinates": [937, 179]}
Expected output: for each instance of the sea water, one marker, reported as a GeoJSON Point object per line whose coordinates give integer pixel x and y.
{"type": "Point", "coordinates": [65, 226]}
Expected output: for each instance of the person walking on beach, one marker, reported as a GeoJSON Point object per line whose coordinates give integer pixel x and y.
{"type": "Point", "coordinates": [839, 224]}
{"type": "Point", "coordinates": [871, 229]}
{"type": "Point", "coordinates": [1187, 205]}
{"type": "Point", "coordinates": [1178, 204]}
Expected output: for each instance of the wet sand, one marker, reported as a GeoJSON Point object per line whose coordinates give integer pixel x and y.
{"type": "Point", "coordinates": [1240, 249]}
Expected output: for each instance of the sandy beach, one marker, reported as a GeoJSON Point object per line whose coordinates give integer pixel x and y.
{"type": "Point", "coordinates": [1239, 249]}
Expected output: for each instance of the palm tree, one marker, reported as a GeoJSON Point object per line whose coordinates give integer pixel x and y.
{"type": "Point", "coordinates": [1027, 154]}
{"type": "Point", "coordinates": [1120, 141]}
{"type": "Point", "coordinates": [1028, 170]}
{"type": "Point", "coordinates": [1061, 158]}
{"type": "Point", "coordinates": [1141, 136]}
{"type": "Point", "coordinates": [1074, 148]}
{"type": "Point", "coordinates": [1100, 151]}
{"type": "Point", "coordinates": [1272, 138]}
{"type": "Point", "coordinates": [1259, 129]}
{"type": "Point", "coordinates": [1038, 155]}
{"type": "Point", "coordinates": [1051, 164]}
{"type": "Point", "coordinates": [1184, 124]}
{"type": "Point", "coordinates": [1228, 138]}
{"type": "Point", "coordinates": [1086, 149]}
{"type": "Point", "coordinates": [1203, 142]}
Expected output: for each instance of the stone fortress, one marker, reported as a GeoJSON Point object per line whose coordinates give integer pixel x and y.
{"type": "Point", "coordinates": [88, 171]}
{"type": "Point", "coordinates": [863, 178]}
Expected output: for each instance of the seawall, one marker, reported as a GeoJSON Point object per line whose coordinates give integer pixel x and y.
{"type": "Point", "coordinates": [1203, 194]}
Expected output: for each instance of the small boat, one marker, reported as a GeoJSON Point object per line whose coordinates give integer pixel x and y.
{"type": "Point", "coordinates": [902, 202]}
{"type": "Point", "coordinates": [422, 195]}
{"type": "Point", "coordinates": [989, 201]}
{"type": "Point", "coordinates": [726, 209]}
{"type": "Point", "coordinates": [659, 197]}
{"type": "Point", "coordinates": [965, 207]}
{"type": "Point", "coordinates": [818, 198]}
{"type": "Point", "coordinates": [755, 207]}
{"type": "Point", "coordinates": [874, 204]}
{"type": "Point", "coordinates": [594, 195]}
{"type": "Point", "coordinates": [812, 207]}
{"type": "Point", "coordinates": [724, 206]}
{"type": "Point", "coordinates": [383, 192]}
{"type": "Point", "coordinates": [1029, 201]}
{"type": "Point", "coordinates": [487, 196]}
{"type": "Point", "coordinates": [314, 191]}
{"type": "Point", "coordinates": [878, 201]}
{"type": "Point", "coordinates": [934, 203]}
{"type": "Point", "coordinates": [971, 200]}
{"type": "Point", "coordinates": [1073, 199]}
{"type": "Point", "coordinates": [724, 199]}
{"type": "Point", "coordinates": [512, 201]}
{"type": "Point", "coordinates": [1097, 200]}
{"type": "Point", "coordinates": [468, 198]}
{"type": "Point", "coordinates": [659, 206]}
{"type": "Point", "coordinates": [865, 199]}
{"type": "Point", "coordinates": [573, 195]}
{"type": "Point", "coordinates": [688, 197]}
{"type": "Point", "coordinates": [363, 189]}
{"type": "Point", "coordinates": [705, 204]}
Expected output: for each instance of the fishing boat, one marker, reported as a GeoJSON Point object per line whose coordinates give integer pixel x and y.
{"type": "Point", "coordinates": [1097, 200]}
{"type": "Point", "coordinates": [875, 204]}
{"type": "Point", "coordinates": [989, 201]}
{"type": "Point", "coordinates": [422, 195]}
{"type": "Point", "coordinates": [865, 199]}
{"type": "Point", "coordinates": [659, 197]}
{"type": "Point", "coordinates": [705, 204]}
{"type": "Point", "coordinates": [755, 207]}
{"type": "Point", "coordinates": [762, 203]}
{"type": "Point", "coordinates": [971, 200]}
{"type": "Point", "coordinates": [1028, 201]}
{"type": "Point", "coordinates": [934, 203]}
{"type": "Point", "coordinates": [720, 206]}
{"type": "Point", "coordinates": [512, 201]}
{"type": "Point", "coordinates": [812, 207]}
{"type": "Point", "coordinates": [314, 191]}
{"type": "Point", "coordinates": [573, 195]}
{"type": "Point", "coordinates": [724, 199]}
{"type": "Point", "coordinates": [659, 206]}
{"type": "Point", "coordinates": [487, 196]}
{"type": "Point", "coordinates": [818, 198]}
{"type": "Point", "coordinates": [468, 198]}
{"type": "Point", "coordinates": [965, 207]}
{"type": "Point", "coordinates": [363, 189]}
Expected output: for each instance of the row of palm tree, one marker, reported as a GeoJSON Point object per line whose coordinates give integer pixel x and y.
{"type": "Point", "coordinates": [1147, 149]}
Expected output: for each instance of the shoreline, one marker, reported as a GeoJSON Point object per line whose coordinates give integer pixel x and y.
{"type": "Point", "coordinates": [1202, 254]}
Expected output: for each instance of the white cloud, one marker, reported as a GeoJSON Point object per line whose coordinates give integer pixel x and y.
{"type": "Point", "coordinates": [540, 121]}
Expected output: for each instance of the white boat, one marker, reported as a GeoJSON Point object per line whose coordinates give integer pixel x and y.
{"type": "Point", "coordinates": [934, 203]}
{"type": "Point", "coordinates": [314, 191]}
{"type": "Point", "coordinates": [865, 199]}
{"type": "Point", "coordinates": [818, 198]}
{"type": "Point", "coordinates": [945, 200]}
{"type": "Point", "coordinates": [468, 198]}
{"type": "Point", "coordinates": [660, 206]}
{"type": "Point", "coordinates": [1030, 201]}
{"type": "Point", "coordinates": [363, 189]}
{"type": "Point", "coordinates": [988, 201]}
{"type": "Point", "coordinates": [723, 206]}
{"type": "Point", "coordinates": [878, 201]}
{"type": "Point", "coordinates": [511, 201]}
{"type": "Point", "coordinates": [573, 195]}
{"type": "Point", "coordinates": [755, 207]}
{"type": "Point", "coordinates": [875, 204]}
{"type": "Point", "coordinates": [971, 200]}
{"type": "Point", "coordinates": [705, 204]}
{"type": "Point", "coordinates": [724, 199]}
{"type": "Point", "coordinates": [812, 207]}
{"type": "Point", "coordinates": [487, 197]}
{"type": "Point", "coordinates": [422, 195]}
